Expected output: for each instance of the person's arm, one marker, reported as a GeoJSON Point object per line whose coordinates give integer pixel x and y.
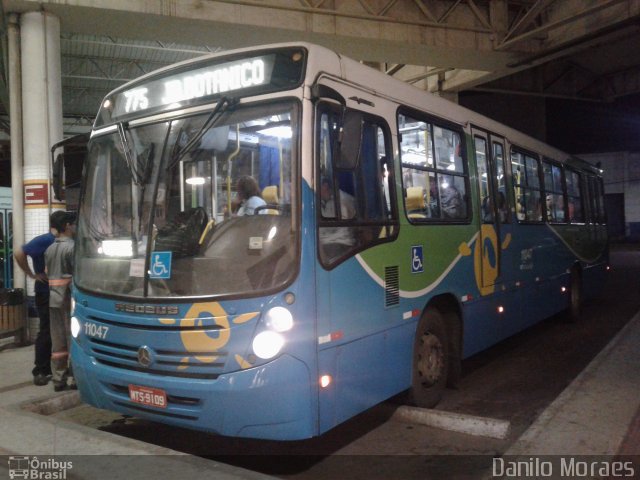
{"type": "Point", "coordinates": [30, 249]}
{"type": "Point", "coordinates": [21, 260]}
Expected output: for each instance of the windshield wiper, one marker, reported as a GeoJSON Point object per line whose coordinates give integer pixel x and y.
{"type": "Point", "coordinates": [126, 146]}
{"type": "Point", "coordinates": [178, 153]}
{"type": "Point", "coordinates": [138, 167]}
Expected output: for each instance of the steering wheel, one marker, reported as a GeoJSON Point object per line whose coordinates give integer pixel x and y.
{"type": "Point", "coordinates": [271, 206]}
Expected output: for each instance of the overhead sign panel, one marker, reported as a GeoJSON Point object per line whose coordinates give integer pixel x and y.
{"type": "Point", "coordinates": [204, 81]}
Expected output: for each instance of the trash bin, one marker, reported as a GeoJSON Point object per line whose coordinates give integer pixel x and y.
{"type": "Point", "coordinates": [13, 313]}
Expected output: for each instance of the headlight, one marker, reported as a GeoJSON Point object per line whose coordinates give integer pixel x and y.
{"type": "Point", "coordinates": [267, 344]}
{"type": "Point", "coordinates": [75, 327]}
{"type": "Point", "coordinates": [279, 319]}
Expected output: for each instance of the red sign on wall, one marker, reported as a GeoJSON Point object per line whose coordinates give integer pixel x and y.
{"type": "Point", "coordinates": [36, 194]}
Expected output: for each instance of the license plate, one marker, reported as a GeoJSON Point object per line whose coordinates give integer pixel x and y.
{"type": "Point", "coordinates": [151, 397]}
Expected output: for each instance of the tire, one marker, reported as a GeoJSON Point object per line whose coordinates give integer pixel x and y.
{"type": "Point", "coordinates": [430, 360]}
{"type": "Point", "coordinates": [575, 297]}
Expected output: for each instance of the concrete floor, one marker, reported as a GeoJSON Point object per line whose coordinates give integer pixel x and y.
{"type": "Point", "coordinates": [515, 381]}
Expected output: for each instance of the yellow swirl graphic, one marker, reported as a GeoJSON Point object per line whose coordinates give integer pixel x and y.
{"type": "Point", "coordinates": [196, 341]}
{"type": "Point", "coordinates": [242, 362]}
{"type": "Point", "coordinates": [486, 274]}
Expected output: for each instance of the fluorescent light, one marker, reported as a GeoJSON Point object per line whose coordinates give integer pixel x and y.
{"type": "Point", "coordinates": [280, 132]}
{"type": "Point", "coordinates": [195, 180]}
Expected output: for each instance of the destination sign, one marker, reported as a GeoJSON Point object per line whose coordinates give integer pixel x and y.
{"type": "Point", "coordinates": [246, 75]}
{"type": "Point", "coordinates": [194, 84]}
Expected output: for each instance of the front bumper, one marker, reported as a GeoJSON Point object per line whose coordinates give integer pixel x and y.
{"type": "Point", "coordinates": [271, 401]}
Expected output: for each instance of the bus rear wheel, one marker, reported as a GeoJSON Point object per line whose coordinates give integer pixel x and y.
{"type": "Point", "coordinates": [430, 360]}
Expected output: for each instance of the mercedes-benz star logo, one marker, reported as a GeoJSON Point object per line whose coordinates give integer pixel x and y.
{"type": "Point", "coordinates": [145, 356]}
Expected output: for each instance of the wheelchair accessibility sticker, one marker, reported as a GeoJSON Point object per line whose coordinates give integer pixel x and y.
{"type": "Point", "coordinates": [160, 265]}
{"type": "Point", "coordinates": [416, 259]}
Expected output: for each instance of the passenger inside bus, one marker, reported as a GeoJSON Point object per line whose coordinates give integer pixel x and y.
{"type": "Point", "coordinates": [487, 210]}
{"type": "Point", "coordinates": [248, 198]}
{"type": "Point", "coordinates": [451, 202]}
{"type": "Point", "coordinates": [335, 241]}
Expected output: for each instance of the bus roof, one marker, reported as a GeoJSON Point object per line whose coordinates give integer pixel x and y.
{"type": "Point", "coordinates": [323, 60]}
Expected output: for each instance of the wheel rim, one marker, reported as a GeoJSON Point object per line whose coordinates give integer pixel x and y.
{"type": "Point", "coordinates": [431, 360]}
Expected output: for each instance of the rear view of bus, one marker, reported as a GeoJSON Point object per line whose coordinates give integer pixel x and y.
{"type": "Point", "coordinates": [188, 309]}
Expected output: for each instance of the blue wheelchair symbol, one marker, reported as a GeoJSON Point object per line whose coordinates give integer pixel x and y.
{"type": "Point", "coordinates": [160, 266]}
{"type": "Point", "coordinates": [416, 259]}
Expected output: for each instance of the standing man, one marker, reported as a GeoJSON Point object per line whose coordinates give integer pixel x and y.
{"type": "Point", "coordinates": [35, 249]}
{"type": "Point", "coordinates": [59, 263]}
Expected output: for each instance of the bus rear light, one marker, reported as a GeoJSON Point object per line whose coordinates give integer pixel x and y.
{"type": "Point", "coordinates": [325, 381]}
{"type": "Point", "coordinates": [500, 309]}
{"type": "Point", "coordinates": [563, 289]}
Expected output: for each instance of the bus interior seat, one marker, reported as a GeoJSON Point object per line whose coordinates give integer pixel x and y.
{"type": "Point", "coordinates": [415, 203]}
{"type": "Point", "coordinates": [270, 195]}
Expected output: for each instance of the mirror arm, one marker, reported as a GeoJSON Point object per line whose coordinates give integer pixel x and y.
{"type": "Point", "coordinates": [319, 91]}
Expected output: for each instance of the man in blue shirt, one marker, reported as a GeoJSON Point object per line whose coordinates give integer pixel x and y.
{"type": "Point", "coordinates": [35, 249]}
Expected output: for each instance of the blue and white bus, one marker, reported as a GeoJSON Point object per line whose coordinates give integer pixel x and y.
{"type": "Point", "coordinates": [394, 234]}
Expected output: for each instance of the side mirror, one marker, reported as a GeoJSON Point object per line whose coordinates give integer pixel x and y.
{"type": "Point", "coordinates": [58, 176]}
{"type": "Point", "coordinates": [350, 140]}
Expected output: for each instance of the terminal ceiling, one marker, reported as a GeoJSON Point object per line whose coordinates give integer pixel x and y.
{"type": "Point", "coordinates": [573, 49]}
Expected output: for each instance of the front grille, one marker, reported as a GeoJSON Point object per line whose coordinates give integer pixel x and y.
{"type": "Point", "coordinates": [175, 363]}
{"type": "Point", "coordinates": [152, 371]}
{"type": "Point", "coordinates": [162, 328]}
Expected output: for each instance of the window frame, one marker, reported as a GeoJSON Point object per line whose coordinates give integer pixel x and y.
{"type": "Point", "coordinates": [527, 153]}
{"type": "Point", "coordinates": [581, 188]}
{"type": "Point", "coordinates": [391, 223]}
{"type": "Point", "coordinates": [595, 187]}
{"type": "Point", "coordinates": [554, 163]}
{"type": "Point", "coordinates": [434, 121]}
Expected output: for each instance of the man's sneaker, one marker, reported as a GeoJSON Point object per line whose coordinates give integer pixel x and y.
{"type": "Point", "coordinates": [40, 380]}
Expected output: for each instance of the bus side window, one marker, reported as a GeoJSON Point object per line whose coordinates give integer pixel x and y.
{"type": "Point", "coordinates": [574, 196]}
{"type": "Point", "coordinates": [355, 196]}
{"type": "Point", "coordinates": [526, 187]}
{"type": "Point", "coordinates": [501, 199]}
{"type": "Point", "coordinates": [554, 196]}
{"type": "Point", "coordinates": [432, 161]}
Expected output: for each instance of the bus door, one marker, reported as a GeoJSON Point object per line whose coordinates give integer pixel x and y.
{"type": "Point", "coordinates": [356, 217]}
{"type": "Point", "coordinates": [493, 249]}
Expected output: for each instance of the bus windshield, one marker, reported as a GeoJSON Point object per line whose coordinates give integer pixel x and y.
{"type": "Point", "coordinates": [195, 206]}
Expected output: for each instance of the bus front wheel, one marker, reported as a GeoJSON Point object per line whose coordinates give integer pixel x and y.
{"type": "Point", "coordinates": [430, 360]}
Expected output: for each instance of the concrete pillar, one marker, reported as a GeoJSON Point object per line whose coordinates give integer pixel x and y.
{"type": "Point", "coordinates": [42, 116]}
{"type": "Point", "coordinates": [15, 120]}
